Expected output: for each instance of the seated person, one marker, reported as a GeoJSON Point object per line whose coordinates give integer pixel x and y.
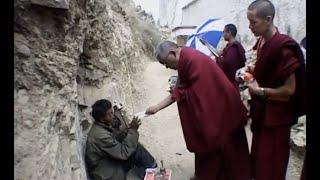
{"type": "Point", "coordinates": [107, 156]}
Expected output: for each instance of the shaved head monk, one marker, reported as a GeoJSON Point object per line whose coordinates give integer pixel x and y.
{"type": "Point", "coordinates": [211, 114]}
{"type": "Point", "coordinates": [277, 94]}
{"type": "Point", "coordinates": [233, 55]}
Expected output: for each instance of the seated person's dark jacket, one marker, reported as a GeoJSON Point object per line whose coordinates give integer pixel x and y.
{"type": "Point", "coordinates": [107, 149]}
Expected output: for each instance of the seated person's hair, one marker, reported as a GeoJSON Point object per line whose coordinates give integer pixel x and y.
{"type": "Point", "coordinates": [100, 108]}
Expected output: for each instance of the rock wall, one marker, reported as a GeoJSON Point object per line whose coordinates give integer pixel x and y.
{"type": "Point", "coordinates": [298, 138]}
{"type": "Point", "coordinates": [68, 54]}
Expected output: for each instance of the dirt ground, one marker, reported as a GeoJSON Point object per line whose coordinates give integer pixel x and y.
{"type": "Point", "coordinates": [161, 133]}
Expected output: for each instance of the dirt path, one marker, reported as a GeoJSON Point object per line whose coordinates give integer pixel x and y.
{"type": "Point", "coordinates": [161, 133]}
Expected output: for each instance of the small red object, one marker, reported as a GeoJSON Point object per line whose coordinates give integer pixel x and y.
{"type": "Point", "coordinates": [247, 76]}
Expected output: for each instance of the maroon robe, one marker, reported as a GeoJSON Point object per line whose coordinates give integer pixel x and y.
{"type": "Point", "coordinates": [232, 59]}
{"type": "Point", "coordinates": [277, 59]}
{"type": "Point", "coordinates": [212, 118]}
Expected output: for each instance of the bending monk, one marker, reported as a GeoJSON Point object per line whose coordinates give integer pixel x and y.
{"type": "Point", "coordinates": [211, 114]}
{"type": "Point", "coordinates": [277, 95]}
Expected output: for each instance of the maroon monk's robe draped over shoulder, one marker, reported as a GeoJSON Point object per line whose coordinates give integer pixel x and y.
{"type": "Point", "coordinates": [212, 118]}
{"type": "Point", "coordinates": [277, 59]}
{"type": "Point", "coordinates": [233, 58]}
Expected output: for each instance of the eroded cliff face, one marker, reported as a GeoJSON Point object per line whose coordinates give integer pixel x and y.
{"type": "Point", "coordinates": [68, 54]}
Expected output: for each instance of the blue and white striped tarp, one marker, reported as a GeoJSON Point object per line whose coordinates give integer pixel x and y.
{"type": "Point", "coordinates": [211, 31]}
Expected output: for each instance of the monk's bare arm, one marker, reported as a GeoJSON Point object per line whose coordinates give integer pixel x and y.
{"type": "Point", "coordinates": [163, 104]}
{"type": "Point", "coordinates": [281, 93]}
{"type": "Point", "coordinates": [284, 91]}
{"type": "Point", "coordinates": [289, 87]}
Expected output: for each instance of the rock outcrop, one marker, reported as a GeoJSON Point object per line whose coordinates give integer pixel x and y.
{"type": "Point", "coordinates": [68, 54]}
{"type": "Point", "coordinates": [298, 138]}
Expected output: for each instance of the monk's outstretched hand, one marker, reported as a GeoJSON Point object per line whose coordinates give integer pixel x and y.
{"type": "Point", "coordinates": [152, 110]}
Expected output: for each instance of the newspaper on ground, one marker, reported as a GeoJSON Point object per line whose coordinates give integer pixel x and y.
{"type": "Point", "coordinates": [157, 174]}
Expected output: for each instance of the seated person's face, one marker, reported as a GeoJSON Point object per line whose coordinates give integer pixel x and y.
{"type": "Point", "coordinates": [108, 118]}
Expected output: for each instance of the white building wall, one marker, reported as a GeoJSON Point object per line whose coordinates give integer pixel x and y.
{"type": "Point", "coordinates": [290, 15]}
{"type": "Point", "coordinates": [170, 12]}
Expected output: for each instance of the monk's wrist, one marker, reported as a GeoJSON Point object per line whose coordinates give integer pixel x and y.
{"type": "Point", "coordinates": [262, 92]}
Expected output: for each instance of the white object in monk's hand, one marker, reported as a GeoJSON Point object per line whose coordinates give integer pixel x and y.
{"type": "Point", "coordinates": [141, 115]}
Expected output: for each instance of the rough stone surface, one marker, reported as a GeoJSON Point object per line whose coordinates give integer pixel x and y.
{"type": "Point", "coordinates": [23, 50]}
{"type": "Point", "coordinates": [60, 4]}
{"type": "Point", "coordinates": [63, 62]}
{"type": "Point", "coordinates": [298, 137]}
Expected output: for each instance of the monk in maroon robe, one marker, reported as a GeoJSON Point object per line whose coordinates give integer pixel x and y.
{"type": "Point", "coordinates": [233, 55]}
{"type": "Point", "coordinates": [277, 95]}
{"type": "Point", "coordinates": [211, 114]}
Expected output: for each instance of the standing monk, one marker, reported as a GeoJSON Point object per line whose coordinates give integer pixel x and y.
{"type": "Point", "coordinates": [277, 95]}
{"type": "Point", "coordinates": [211, 114]}
{"type": "Point", "coordinates": [233, 55]}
